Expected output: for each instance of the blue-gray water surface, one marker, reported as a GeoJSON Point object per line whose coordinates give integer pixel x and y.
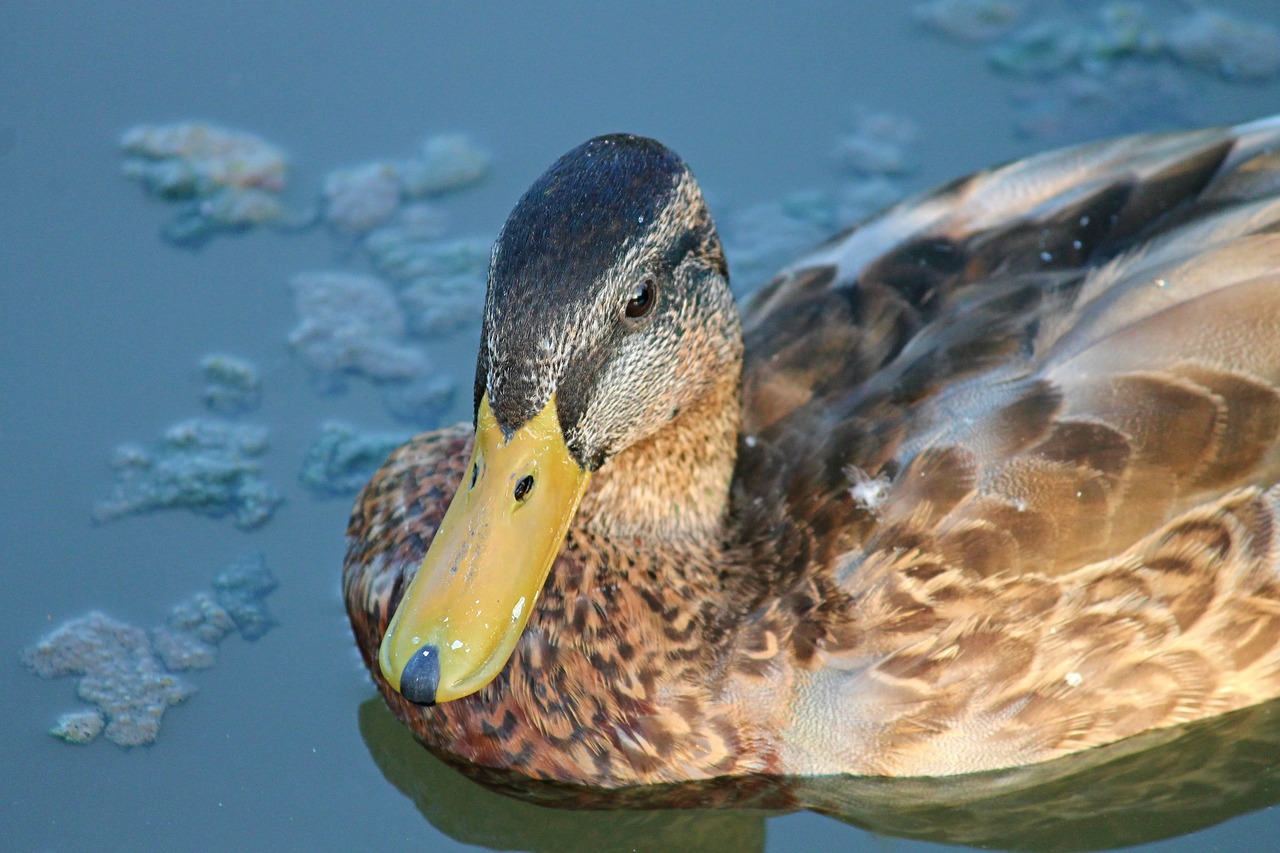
{"type": "Point", "coordinates": [103, 324]}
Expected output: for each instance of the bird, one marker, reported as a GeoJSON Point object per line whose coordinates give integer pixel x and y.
{"type": "Point", "coordinates": [984, 481]}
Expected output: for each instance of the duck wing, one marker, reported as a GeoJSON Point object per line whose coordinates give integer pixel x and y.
{"type": "Point", "coordinates": [1027, 426]}
{"type": "Point", "coordinates": [1102, 320]}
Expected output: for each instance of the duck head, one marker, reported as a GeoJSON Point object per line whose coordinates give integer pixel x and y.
{"type": "Point", "coordinates": [608, 315]}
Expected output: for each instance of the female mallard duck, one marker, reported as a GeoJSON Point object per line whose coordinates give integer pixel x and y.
{"type": "Point", "coordinates": [985, 481]}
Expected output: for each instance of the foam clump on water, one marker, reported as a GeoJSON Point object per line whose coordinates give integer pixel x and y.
{"type": "Point", "coordinates": [1131, 98]}
{"type": "Point", "coordinates": [180, 650]}
{"type": "Point", "coordinates": [879, 145]}
{"type": "Point", "coordinates": [421, 402]}
{"type": "Point", "coordinates": [764, 237]}
{"type": "Point", "coordinates": [231, 385]}
{"type": "Point", "coordinates": [446, 163]}
{"type": "Point", "coordinates": [968, 20]}
{"type": "Point", "coordinates": [342, 460]}
{"type": "Point", "coordinates": [351, 325]}
{"type": "Point", "coordinates": [204, 465]}
{"type": "Point", "coordinates": [79, 726]}
{"type": "Point", "coordinates": [873, 157]}
{"type": "Point", "coordinates": [1054, 47]}
{"type": "Point", "coordinates": [361, 198]}
{"type": "Point", "coordinates": [118, 672]}
{"type": "Point", "coordinates": [1226, 46]}
{"type": "Point", "coordinates": [448, 291]}
{"type": "Point", "coordinates": [224, 180]}
{"type": "Point", "coordinates": [128, 674]}
{"type": "Point", "coordinates": [1102, 69]}
{"type": "Point", "coordinates": [242, 589]}
{"type": "Point", "coordinates": [426, 283]}
{"type": "Point", "coordinates": [441, 280]}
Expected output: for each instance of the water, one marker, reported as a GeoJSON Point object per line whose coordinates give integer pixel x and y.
{"type": "Point", "coordinates": [102, 325]}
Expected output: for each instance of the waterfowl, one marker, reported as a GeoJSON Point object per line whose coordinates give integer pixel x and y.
{"type": "Point", "coordinates": [985, 481]}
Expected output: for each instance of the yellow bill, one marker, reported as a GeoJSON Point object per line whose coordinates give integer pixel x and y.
{"type": "Point", "coordinates": [463, 612]}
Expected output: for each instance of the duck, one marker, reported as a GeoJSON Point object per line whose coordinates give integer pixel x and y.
{"type": "Point", "coordinates": [987, 480]}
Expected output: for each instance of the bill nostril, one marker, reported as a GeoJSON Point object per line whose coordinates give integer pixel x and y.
{"type": "Point", "coordinates": [523, 487]}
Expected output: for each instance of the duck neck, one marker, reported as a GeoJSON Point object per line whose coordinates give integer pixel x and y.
{"type": "Point", "coordinates": [673, 486]}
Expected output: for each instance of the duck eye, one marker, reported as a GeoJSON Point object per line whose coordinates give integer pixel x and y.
{"type": "Point", "coordinates": [523, 486]}
{"type": "Point", "coordinates": [642, 298]}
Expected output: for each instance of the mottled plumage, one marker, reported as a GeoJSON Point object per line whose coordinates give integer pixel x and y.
{"type": "Point", "coordinates": [996, 481]}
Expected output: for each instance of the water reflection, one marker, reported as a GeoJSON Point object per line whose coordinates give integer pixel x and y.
{"type": "Point", "coordinates": [474, 814]}
{"type": "Point", "coordinates": [1154, 786]}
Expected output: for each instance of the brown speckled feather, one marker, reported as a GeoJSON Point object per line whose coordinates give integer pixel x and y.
{"type": "Point", "coordinates": [1005, 490]}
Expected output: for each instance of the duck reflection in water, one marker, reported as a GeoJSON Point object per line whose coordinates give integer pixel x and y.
{"type": "Point", "coordinates": [1159, 785]}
